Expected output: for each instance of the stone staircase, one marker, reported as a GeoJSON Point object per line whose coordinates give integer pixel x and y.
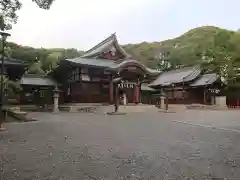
{"type": "Point", "coordinates": [85, 108]}
{"type": "Point", "coordinates": [14, 114]}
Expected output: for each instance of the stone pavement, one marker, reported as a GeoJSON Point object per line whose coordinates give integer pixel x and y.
{"type": "Point", "coordinates": [138, 146]}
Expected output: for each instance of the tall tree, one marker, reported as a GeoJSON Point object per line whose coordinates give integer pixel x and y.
{"type": "Point", "coordinates": [219, 57]}
{"type": "Point", "coordinates": [8, 9]}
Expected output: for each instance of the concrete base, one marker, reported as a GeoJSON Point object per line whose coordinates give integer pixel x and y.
{"type": "Point", "coordinates": [162, 102]}
{"type": "Point", "coordinates": [2, 128]}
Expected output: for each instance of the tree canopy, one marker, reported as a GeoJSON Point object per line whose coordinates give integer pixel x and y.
{"type": "Point", "coordinates": [9, 8]}
{"type": "Point", "coordinates": [40, 60]}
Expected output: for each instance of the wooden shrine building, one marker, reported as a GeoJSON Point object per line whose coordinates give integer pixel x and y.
{"type": "Point", "coordinates": [89, 78]}
{"type": "Point", "coordinates": [188, 85]}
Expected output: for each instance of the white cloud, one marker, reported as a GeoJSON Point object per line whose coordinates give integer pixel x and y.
{"type": "Point", "coordinates": [81, 23]}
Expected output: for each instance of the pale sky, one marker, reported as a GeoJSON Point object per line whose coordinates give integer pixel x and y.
{"type": "Point", "coordinates": [83, 23]}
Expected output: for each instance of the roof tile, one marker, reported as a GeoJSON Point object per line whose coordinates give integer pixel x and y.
{"type": "Point", "coordinates": [205, 79]}
{"type": "Point", "coordinates": [177, 76]}
{"type": "Point", "coordinates": [37, 80]}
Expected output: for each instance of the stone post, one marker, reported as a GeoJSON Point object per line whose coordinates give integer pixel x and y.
{"type": "Point", "coordinates": [55, 99]}
{"type": "Point", "coordinates": [162, 99]}
{"type": "Point", "coordinates": [124, 99]}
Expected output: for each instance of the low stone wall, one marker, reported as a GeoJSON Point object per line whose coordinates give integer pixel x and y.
{"type": "Point", "coordinates": [209, 107]}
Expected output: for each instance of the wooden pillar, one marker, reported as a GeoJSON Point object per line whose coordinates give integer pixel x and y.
{"type": "Point", "coordinates": [166, 102]}
{"type": "Point", "coordinates": [111, 89]}
{"type": "Point", "coordinates": [136, 92]}
{"type": "Point", "coordinates": [204, 96]}
{"type": "Point", "coordinates": [140, 93]}
{"type": "Point", "coordinates": [116, 99]}
{"type": "Point", "coordinates": [183, 93]}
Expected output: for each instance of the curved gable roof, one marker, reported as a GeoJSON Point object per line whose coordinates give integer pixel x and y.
{"type": "Point", "coordinates": [104, 45]}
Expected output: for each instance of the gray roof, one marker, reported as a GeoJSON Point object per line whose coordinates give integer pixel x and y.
{"type": "Point", "coordinates": [145, 87]}
{"type": "Point", "coordinates": [177, 76]}
{"type": "Point", "coordinates": [205, 79]}
{"type": "Point", "coordinates": [10, 61]}
{"type": "Point", "coordinates": [91, 57]}
{"type": "Point", "coordinates": [37, 80]}
{"type": "Point", "coordinates": [105, 63]}
{"type": "Point", "coordinates": [110, 64]}
{"type": "Point", "coordinates": [104, 45]}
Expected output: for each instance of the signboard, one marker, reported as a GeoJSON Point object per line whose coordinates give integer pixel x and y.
{"type": "Point", "coordinates": [215, 91]}
{"type": "Point", "coordinates": [127, 85]}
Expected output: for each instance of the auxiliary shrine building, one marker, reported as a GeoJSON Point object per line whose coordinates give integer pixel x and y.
{"type": "Point", "coordinates": [90, 79]}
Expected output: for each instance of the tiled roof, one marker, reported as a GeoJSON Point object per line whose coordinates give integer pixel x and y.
{"type": "Point", "coordinates": [205, 79]}
{"type": "Point", "coordinates": [110, 64]}
{"type": "Point", "coordinates": [103, 46]}
{"type": "Point", "coordinates": [93, 62]}
{"type": "Point", "coordinates": [145, 87]}
{"type": "Point", "coordinates": [177, 76]}
{"type": "Point", "coordinates": [10, 61]}
{"type": "Point", "coordinates": [37, 80]}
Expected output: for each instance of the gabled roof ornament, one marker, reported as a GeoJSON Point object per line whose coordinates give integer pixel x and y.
{"type": "Point", "coordinates": [104, 45]}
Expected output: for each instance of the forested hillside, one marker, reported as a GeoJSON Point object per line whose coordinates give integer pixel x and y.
{"type": "Point", "coordinates": [40, 60]}
{"type": "Point", "coordinates": [216, 49]}
{"type": "Point", "coordinates": [186, 49]}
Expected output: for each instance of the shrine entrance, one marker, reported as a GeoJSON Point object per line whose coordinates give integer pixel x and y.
{"type": "Point", "coordinates": [129, 87]}
{"type": "Point", "coordinates": [126, 92]}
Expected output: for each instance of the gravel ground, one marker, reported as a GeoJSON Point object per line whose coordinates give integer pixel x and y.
{"type": "Point", "coordinates": [187, 145]}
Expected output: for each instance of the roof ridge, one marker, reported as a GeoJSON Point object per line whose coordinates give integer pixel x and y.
{"type": "Point", "coordinates": [180, 69]}
{"type": "Point", "coordinates": [112, 36]}
{"type": "Point", "coordinates": [207, 74]}
{"type": "Point", "coordinates": [196, 69]}
{"type": "Point", "coordinates": [111, 40]}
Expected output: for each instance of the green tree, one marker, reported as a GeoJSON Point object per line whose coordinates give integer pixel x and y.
{"type": "Point", "coordinates": [219, 57]}
{"type": "Point", "coordinates": [51, 61]}
{"type": "Point", "coordinates": [12, 87]}
{"type": "Point", "coordinates": [36, 68]}
{"type": "Point", "coordinates": [8, 9]}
